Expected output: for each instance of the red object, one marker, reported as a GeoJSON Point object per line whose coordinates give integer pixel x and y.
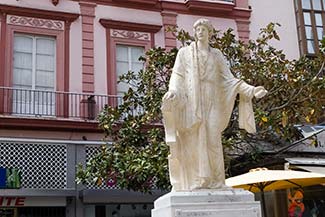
{"type": "Point", "coordinates": [296, 206]}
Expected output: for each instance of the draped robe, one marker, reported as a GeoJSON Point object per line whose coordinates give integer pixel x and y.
{"type": "Point", "coordinates": [194, 121]}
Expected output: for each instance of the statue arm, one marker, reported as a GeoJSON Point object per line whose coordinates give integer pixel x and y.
{"type": "Point", "coordinates": [246, 91]}
{"type": "Point", "coordinates": [171, 101]}
{"type": "Point", "coordinates": [243, 88]}
{"type": "Point", "coordinates": [174, 95]}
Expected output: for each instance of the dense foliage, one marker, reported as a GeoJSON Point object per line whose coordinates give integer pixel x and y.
{"type": "Point", "coordinates": [138, 157]}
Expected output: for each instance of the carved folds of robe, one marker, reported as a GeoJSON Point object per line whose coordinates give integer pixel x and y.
{"type": "Point", "coordinates": [205, 93]}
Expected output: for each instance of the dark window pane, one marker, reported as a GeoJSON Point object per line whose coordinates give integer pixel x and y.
{"type": "Point", "coordinates": [309, 32]}
{"type": "Point", "coordinates": [317, 5]}
{"type": "Point", "coordinates": [307, 18]}
{"type": "Point", "coordinates": [306, 4]}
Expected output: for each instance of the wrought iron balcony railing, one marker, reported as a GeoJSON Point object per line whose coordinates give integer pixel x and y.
{"type": "Point", "coordinates": [42, 103]}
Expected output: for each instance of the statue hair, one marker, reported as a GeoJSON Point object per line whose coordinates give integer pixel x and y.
{"type": "Point", "coordinates": [203, 22]}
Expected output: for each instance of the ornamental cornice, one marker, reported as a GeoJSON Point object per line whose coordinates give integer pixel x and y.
{"type": "Point", "coordinates": [35, 22]}
{"type": "Point", "coordinates": [141, 27]}
{"type": "Point", "coordinates": [116, 33]}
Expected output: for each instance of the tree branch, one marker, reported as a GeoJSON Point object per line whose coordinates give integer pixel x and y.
{"type": "Point", "coordinates": [293, 96]}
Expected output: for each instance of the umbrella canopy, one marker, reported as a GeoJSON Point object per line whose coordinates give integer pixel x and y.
{"type": "Point", "coordinates": [262, 179]}
{"type": "Point", "coordinates": [266, 180]}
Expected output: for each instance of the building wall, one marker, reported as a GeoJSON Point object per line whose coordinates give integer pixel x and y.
{"type": "Point", "coordinates": [184, 21]}
{"type": "Point", "coordinates": [277, 11]}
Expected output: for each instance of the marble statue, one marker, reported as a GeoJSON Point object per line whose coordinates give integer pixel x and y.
{"type": "Point", "coordinates": [197, 109]}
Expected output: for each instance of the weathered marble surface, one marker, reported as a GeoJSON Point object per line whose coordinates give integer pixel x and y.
{"type": "Point", "coordinates": [207, 203]}
{"type": "Point", "coordinates": [196, 110]}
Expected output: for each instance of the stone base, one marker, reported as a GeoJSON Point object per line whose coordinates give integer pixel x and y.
{"type": "Point", "coordinates": [208, 203]}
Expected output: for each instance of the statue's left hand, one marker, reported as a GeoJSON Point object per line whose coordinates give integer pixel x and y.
{"type": "Point", "coordinates": [259, 92]}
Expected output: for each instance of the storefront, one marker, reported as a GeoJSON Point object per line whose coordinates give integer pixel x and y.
{"type": "Point", "coordinates": [307, 201]}
{"type": "Point", "coordinates": [20, 206]}
{"type": "Point", "coordinates": [118, 203]}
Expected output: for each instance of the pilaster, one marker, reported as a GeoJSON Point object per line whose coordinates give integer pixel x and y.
{"type": "Point", "coordinates": [169, 20]}
{"type": "Point", "coordinates": [87, 19]}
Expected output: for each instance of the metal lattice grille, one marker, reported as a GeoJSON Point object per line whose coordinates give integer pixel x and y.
{"type": "Point", "coordinates": [91, 151]}
{"type": "Point", "coordinates": [43, 166]}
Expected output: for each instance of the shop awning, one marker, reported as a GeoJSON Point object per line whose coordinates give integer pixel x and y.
{"type": "Point", "coordinates": [315, 165]}
{"type": "Point", "coordinates": [117, 196]}
{"type": "Point", "coordinates": [314, 169]}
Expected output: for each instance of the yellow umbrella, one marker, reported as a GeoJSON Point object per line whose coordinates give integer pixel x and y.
{"type": "Point", "coordinates": [262, 179]}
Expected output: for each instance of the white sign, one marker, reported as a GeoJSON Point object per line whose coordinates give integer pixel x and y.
{"type": "Point", "coordinates": [9, 201]}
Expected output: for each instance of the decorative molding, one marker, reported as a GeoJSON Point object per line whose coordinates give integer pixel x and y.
{"type": "Point", "coordinates": [143, 2]}
{"type": "Point", "coordinates": [87, 8]}
{"type": "Point", "coordinates": [169, 18]}
{"type": "Point", "coordinates": [35, 22]}
{"type": "Point", "coordinates": [11, 122]}
{"type": "Point", "coordinates": [55, 2]}
{"type": "Point", "coordinates": [222, 9]}
{"type": "Point", "coordinates": [130, 34]}
{"type": "Point", "coordinates": [217, 6]}
{"type": "Point", "coordinates": [43, 14]}
{"type": "Point", "coordinates": [113, 24]}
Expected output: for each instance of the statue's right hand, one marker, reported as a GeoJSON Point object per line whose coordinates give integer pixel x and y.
{"type": "Point", "coordinates": [168, 101]}
{"type": "Point", "coordinates": [169, 96]}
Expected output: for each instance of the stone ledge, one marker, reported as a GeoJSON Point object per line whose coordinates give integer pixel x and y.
{"type": "Point", "coordinates": [208, 203]}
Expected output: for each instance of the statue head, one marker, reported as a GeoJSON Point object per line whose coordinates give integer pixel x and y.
{"type": "Point", "coordinates": [205, 23]}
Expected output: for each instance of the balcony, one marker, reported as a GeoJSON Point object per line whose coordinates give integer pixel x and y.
{"type": "Point", "coordinates": [56, 108]}
{"type": "Point", "coordinates": [53, 104]}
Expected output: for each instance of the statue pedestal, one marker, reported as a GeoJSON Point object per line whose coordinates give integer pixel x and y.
{"type": "Point", "coordinates": [208, 203]}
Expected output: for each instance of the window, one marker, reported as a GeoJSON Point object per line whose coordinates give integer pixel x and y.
{"type": "Point", "coordinates": [34, 74]}
{"type": "Point", "coordinates": [46, 38]}
{"type": "Point", "coordinates": [125, 43]}
{"type": "Point", "coordinates": [310, 22]}
{"type": "Point", "coordinates": [127, 59]}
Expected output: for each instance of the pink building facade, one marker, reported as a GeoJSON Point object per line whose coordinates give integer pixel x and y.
{"type": "Point", "coordinates": [59, 64]}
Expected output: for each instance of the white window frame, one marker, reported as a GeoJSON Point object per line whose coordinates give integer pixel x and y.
{"type": "Point", "coordinates": [30, 108]}
{"type": "Point", "coordinates": [129, 53]}
{"type": "Point", "coordinates": [34, 52]}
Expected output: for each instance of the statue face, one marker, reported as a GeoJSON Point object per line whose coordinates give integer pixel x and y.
{"type": "Point", "coordinates": [202, 33]}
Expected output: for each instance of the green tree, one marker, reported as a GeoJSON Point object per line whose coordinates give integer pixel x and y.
{"type": "Point", "coordinates": [137, 160]}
